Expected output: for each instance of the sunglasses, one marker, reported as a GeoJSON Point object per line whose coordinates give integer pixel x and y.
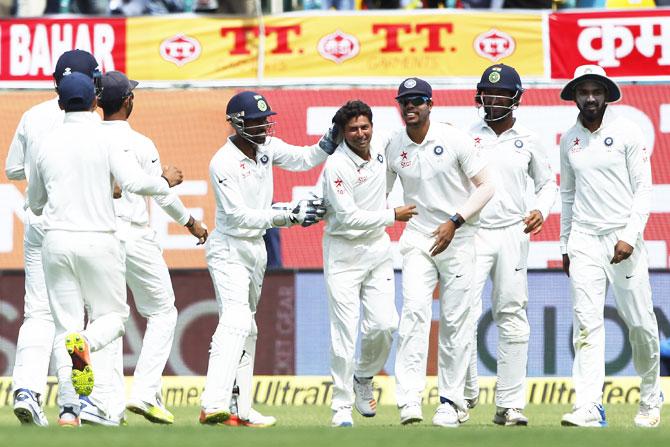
{"type": "Point", "coordinates": [414, 100]}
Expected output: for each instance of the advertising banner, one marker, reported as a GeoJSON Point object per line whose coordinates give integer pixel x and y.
{"type": "Point", "coordinates": [197, 321]}
{"type": "Point", "coordinates": [29, 48]}
{"type": "Point", "coordinates": [631, 44]}
{"type": "Point", "coordinates": [355, 47]}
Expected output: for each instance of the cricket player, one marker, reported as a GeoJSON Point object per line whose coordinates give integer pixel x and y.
{"type": "Point", "coordinates": [146, 274]}
{"type": "Point", "coordinates": [514, 153]}
{"type": "Point", "coordinates": [36, 336]}
{"type": "Point", "coordinates": [606, 194]}
{"type": "Point", "coordinates": [241, 176]}
{"type": "Point", "coordinates": [358, 265]}
{"type": "Point", "coordinates": [71, 184]}
{"type": "Point", "coordinates": [442, 173]}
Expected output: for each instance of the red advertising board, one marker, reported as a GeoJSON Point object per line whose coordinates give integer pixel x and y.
{"type": "Point", "coordinates": [631, 44]}
{"type": "Point", "coordinates": [29, 48]}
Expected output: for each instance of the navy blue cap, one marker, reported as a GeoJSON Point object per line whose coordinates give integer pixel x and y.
{"type": "Point", "coordinates": [78, 61]}
{"type": "Point", "coordinates": [115, 87]}
{"type": "Point", "coordinates": [76, 92]}
{"type": "Point", "coordinates": [501, 76]}
{"type": "Point", "coordinates": [414, 87]}
{"type": "Point", "coordinates": [249, 105]}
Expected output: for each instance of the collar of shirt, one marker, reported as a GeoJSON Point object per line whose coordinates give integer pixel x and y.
{"type": "Point", "coordinates": [430, 136]}
{"type": "Point", "coordinates": [117, 123]}
{"type": "Point", "coordinates": [358, 161]}
{"type": "Point", "coordinates": [240, 156]}
{"type": "Point", "coordinates": [516, 131]}
{"type": "Point", "coordinates": [81, 117]}
{"type": "Point", "coordinates": [608, 118]}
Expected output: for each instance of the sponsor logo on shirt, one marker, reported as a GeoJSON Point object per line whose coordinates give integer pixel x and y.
{"type": "Point", "coordinates": [338, 186]}
{"type": "Point", "coordinates": [404, 162]}
{"type": "Point", "coordinates": [576, 146]}
{"type": "Point", "coordinates": [478, 142]}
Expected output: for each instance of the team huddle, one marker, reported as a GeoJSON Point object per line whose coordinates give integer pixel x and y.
{"type": "Point", "coordinates": [87, 235]}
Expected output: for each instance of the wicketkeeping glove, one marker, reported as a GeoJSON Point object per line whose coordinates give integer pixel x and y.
{"type": "Point", "coordinates": [308, 212]}
{"type": "Point", "coordinates": [331, 139]}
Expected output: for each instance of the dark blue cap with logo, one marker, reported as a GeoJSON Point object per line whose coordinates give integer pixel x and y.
{"type": "Point", "coordinates": [249, 105]}
{"type": "Point", "coordinates": [501, 76]}
{"type": "Point", "coordinates": [414, 87]}
{"type": "Point", "coordinates": [76, 92]}
{"type": "Point", "coordinates": [115, 87]}
{"type": "Point", "coordinates": [76, 61]}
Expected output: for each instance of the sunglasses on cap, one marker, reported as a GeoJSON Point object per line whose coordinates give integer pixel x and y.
{"type": "Point", "coordinates": [414, 100]}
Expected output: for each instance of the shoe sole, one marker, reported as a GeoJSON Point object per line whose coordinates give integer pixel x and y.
{"type": "Point", "coordinates": [565, 423]}
{"type": "Point", "coordinates": [215, 418]}
{"type": "Point", "coordinates": [408, 421]}
{"type": "Point", "coordinates": [512, 424]}
{"type": "Point", "coordinates": [25, 416]}
{"type": "Point", "coordinates": [148, 416]}
{"type": "Point", "coordinates": [82, 374]}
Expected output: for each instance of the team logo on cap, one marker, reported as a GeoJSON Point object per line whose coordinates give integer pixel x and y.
{"type": "Point", "coordinates": [494, 77]}
{"type": "Point", "coordinates": [262, 105]}
{"type": "Point", "coordinates": [264, 159]}
{"type": "Point", "coordinates": [438, 150]}
{"type": "Point", "coordinates": [518, 143]}
{"type": "Point", "coordinates": [380, 158]}
{"type": "Point", "coordinates": [608, 141]}
{"type": "Point", "coordinates": [410, 83]}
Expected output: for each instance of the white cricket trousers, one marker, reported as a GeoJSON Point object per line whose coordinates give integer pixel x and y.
{"type": "Point", "coordinates": [148, 277]}
{"type": "Point", "coordinates": [421, 272]}
{"type": "Point", "coordinates": [590, 275]}
{"type": "Point", "coordinates": [502, 253]}
{"type": "Point", "coordinates": [84, 271]}
{"type": "Point", "coordinates": [358, 273]}
{"type": "Point", "coordinates": [35, 343]}
{"type": "Point", "coordinates": [237, 267]}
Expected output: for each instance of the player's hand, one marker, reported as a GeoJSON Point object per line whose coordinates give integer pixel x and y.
{"type": "Point", "coordinates": [199, 230]}
{"type": "Point", "coordinates": [331, 139]}
{"type": "Point", "coordinates": [172, 175]}
{"type": "Point", "coordinates": [307, 212]}
{"type": "Point", "coordinates": [405, 213]}
{"type": "Point", "coordinates": [534, 222]}
{"type": "Point", "coordinates": [117, 193]}
{"type": "Point", "coordinates": [566, 265]}
{"type": "Point", "coordinates": [443, 236]}
{"type": "Point", "coordinates": [622, 251]}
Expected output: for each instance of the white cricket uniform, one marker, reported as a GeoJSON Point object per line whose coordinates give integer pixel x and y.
{"type": "Point", "coordinates": [71, 185]}
{"type": "Point", "coordinates": [606, 195]}
{"type": "Point", "coordinates": [147, 276]}
{"type": "Point", "coordinates": [358, 266]}
{"type": "Point", "coordinates": [236, 259]}
{"type": "Point", "coordinates": [502, 251]}
{"type": "Point", "coordinates": [36, 336]}
{"type": "Point", "coordinates": [435, 176]}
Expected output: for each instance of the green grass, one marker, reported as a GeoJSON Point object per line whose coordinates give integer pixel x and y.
{"type": "Point", "coordinates": [309, 426]}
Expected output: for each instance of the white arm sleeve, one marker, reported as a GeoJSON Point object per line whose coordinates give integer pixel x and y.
{"type": "Point", "coordinates": [131, 177]}
{"type": "Point", "coordinates": [37, 193]}
{"type": "Point", "coordinates": [543, 177]}
{"type": "Point", "coordinates": [480, 196]}
{"type": "Point", "coordinates": [297, 158]}
{"type": "Point", "coordinates": [567, 195]}
{"type": "Point", "coordinates": [639, 173]}
{"type": "Point", "coordinates": [14, 164]}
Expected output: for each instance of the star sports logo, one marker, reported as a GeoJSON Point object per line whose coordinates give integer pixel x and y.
{"type": "Point", "coordinates": [338, 186]}
{"type": "Point", "coordinates": [404, 161]}
{"type": "Point", "coordinates": [575, 145]}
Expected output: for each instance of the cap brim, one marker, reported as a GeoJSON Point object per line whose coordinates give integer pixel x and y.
{"type": "Point", "coordinates": [133, 84]}
{"type": "Point", "coordinates": [613, 91]}
{"type": "Point", "coordinates": [259, 115]}
{"type": "Point", "coordinates": [412, 93]}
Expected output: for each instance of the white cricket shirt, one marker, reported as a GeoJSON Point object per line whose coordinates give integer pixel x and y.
{"type": "Point", "coordinates": [512, 157]}
{"type": "Point", "coordinates": [605, 180]}
{"type": "Point", "coordinates": [133, 207]}
{"type": "Point", "coordinates": [435, 175]}
{"type": "Point", "coordinates": [244, 187]}
{"type": "Point", "coordinates": [72, 175]}
{"type": "Point", "coordinates": [355, 193]}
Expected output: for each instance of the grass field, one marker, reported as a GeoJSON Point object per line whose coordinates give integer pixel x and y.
{"type": "Point", "coordinates": [309, 426]}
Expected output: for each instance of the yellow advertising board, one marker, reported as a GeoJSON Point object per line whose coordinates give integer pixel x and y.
{"type": "Point", "coordinates": [333, 46]}
{"type": "Point", "coordinates": [180, 391]}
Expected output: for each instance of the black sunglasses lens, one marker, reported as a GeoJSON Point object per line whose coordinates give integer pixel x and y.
{"type": "Point", "coordinates": [415, 101]}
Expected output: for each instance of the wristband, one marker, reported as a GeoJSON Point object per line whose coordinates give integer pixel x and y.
{"type": "Point", "coordinates": [458, 220]}
{"type": "Point", "coordinates": [168, 181]}
{"type": "Point", "coordinates": [190, 223]}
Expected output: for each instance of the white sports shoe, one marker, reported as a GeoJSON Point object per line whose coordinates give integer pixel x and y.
{"type": "Point", "coordinates": [648, 416]}
{"type": "Point", "coordinates": [592, 415]}
{"type": "Point", "coordinates": [410, 414]}
{"type": "Point", "coordinates": [510, 417]}
{"type": "Point", "coordinates": [91, 414]}
{"type": "Point", "coordinates": [446, 415]}
{"type": "Point", "coordinates": [28, 409]}
{"type": "Point", "coordinates": [342, 418]}
{"type": "Point", "coordinates": [365, 402]}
